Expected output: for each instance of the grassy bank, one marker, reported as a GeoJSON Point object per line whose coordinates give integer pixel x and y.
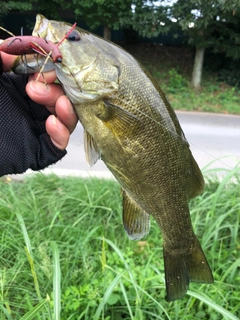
{"type": "Point", "coordinates": [50, 224]}
{"type": "Point", "coordinates": [172, 68]}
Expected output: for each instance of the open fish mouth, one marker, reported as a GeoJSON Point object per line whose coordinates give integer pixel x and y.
{"type": "Point", "coordinates": [41, 26]}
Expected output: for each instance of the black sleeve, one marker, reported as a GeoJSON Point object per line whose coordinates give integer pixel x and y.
{"type": "Point", "coordinates": [24, 142]}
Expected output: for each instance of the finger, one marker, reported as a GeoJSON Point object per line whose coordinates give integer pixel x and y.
{"type": "Point", "coordinates": [44, 94]}
{"type": "Point", "coordinates": [7, 61]}
{"type": "Point", "coordinates": [58, 133]}
{"type": "Point", "coordinates": [66, 113]}
{"type": "Point", "coordinates": [48, 77]}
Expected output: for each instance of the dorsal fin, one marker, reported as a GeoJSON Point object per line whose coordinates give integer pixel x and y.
{"type": "Point", "coordinates": [135, 220]}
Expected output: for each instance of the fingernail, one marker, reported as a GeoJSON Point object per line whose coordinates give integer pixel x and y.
{"type": "Point", "coordinates": [57, 123]}
{"type": "Point", "coordinates": [70, 107]}
{"type": "Point", "coordinates": [39, 87]}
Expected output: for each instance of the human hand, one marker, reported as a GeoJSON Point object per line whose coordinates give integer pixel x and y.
{"type": "Point", "coordinates": [31, 135]}
{"type": "Point", "coordinates": [63, 120]}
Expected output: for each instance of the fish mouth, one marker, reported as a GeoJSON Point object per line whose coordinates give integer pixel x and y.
{"type": "Point", "coordinates": [72, 79]}
{"type": "Point", "coordinates": [76, 71]}
{"type": "Point", "coordinates": [73, 76]}
{"type": "Point", "coordinates": [76, 96]}
{"type": "Point", "coordinates": [41, 26]}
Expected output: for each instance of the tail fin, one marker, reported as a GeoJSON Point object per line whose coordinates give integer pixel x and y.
{"type": "Point", "coordinates": [182, 268]}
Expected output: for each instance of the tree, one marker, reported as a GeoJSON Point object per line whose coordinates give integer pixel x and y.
{"type": "Point", "coordinates": [107, 13]}
{"type": "Point", "coordinates": [45, 7]}
{"type": "Point", "coordinates": [4, 8]}
{"type": "Point", "coordinates": [7, 6]}
{"type": "Point", "coordinates": [151, 18]}
{"type": "Point", "coordinates": [206, 24]}
{"type": "Point", "coordinates": [209, 24]}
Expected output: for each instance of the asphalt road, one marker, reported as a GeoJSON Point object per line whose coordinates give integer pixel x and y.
{"type": "Point", "coordinates": [213, 139]}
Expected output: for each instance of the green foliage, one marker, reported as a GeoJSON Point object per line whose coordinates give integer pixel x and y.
{"type": "Point", "coordinates": [210, 24]}
{"type": "Point", "coordinates": [204, 24]}
{"type": "Point", "coordinates": [104, 274]}
{"type": "Point", "coordinates": [113, 14]}
{"type": "Point", "coordinates": [6, 6]}
{"type": "Point", "coordinates": [230, 76]}
{"type": "Point", "coordinates": [151, 18]}
{"type": "Point", "coordinates": [171, 67]}
{"type": "Point", "coordinates": [211, 98]}
{"type": "Point", "coordinates": [177, 82]}
{"type": "Point", "coordinates": [45, 7]}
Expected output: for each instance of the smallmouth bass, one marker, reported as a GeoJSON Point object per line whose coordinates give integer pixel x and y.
{"type": "Point", "coordinates": [130, 125]}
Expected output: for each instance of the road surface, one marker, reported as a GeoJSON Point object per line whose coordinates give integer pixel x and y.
{"type": "Point", "coordinates": [214, 138]}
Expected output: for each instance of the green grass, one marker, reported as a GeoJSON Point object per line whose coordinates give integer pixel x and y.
{"type": "Point", "coordinates": [172, 68]}
{"type": "Point", "coordinates": [64, 253]}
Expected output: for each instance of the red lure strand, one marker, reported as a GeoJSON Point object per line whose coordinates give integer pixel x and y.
{"type": "Point", "coordinates": [67, 34]}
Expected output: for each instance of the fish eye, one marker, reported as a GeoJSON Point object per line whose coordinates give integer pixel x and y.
{"type": "Point", "coordinates": [74, 36]}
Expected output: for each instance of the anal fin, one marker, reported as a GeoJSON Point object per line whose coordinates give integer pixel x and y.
{"type": "Point", "coordinates": [196, 186]}
{"type": "Point", "coordinates": [92, 152]}
{"type": "Point", "coordinates": [135, 220]}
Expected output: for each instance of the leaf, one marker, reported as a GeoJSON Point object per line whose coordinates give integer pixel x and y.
{"type": "Point", "coordinates": [34, 311]}
{"type": "Point", "coordinates": [113, 299]}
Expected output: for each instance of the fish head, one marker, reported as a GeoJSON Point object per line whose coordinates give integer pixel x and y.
{"type": "Point", "coordinates": [86, 72]}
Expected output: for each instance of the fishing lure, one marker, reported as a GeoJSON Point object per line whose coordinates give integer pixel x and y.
{"type": "Point", "coordinates": [22, 45]}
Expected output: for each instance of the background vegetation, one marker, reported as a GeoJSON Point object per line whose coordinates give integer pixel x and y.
{"type": "Point", "coordinates": [210, 24]}
{"type": "Point", "coordinates": [171, 66]}
{"type": "Point", "coordinates": [104, 275]}
{"type": "Point", "coordinates": [201, 74]}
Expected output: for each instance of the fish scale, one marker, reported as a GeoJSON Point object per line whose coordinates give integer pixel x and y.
{"type": "Point", "coordinates": [131, 126]}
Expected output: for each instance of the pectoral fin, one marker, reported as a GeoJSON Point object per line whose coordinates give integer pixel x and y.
{"type": "Point", "coordinates": [92, 152]}
{"type": "Point", "coordinates": [135, 220]}
{"type": "Point", "coordinates": [117, 117]}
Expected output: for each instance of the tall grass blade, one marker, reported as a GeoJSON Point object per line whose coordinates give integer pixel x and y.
{"type": "Point", "coordinates": [56, 281]}
{"type": "Point", "coordinates": [126, 300]}
{"type": "Point", "coordinates": [118, 251]}
{"type": "Point", "coordinates": [103, 259]}
{"type": "Point", "coordinates": [7, 314]}
{"type": "Point", "coordinates": [31, 262]}
{"type": "Point", "coordinates": [32, 313]}
{"type": "Point", "coordinates": [235, 266]}
{"type": "Point", "coordinates": [150, 297]}
{"type": "Point", "coordinates": [28, 250]}
{"type": "Point", "coordinates": [24, 232]}
{"type": "Point", "coordinates": [226, 314]}
{"type": "Point", "coordinates": [106, 296]}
